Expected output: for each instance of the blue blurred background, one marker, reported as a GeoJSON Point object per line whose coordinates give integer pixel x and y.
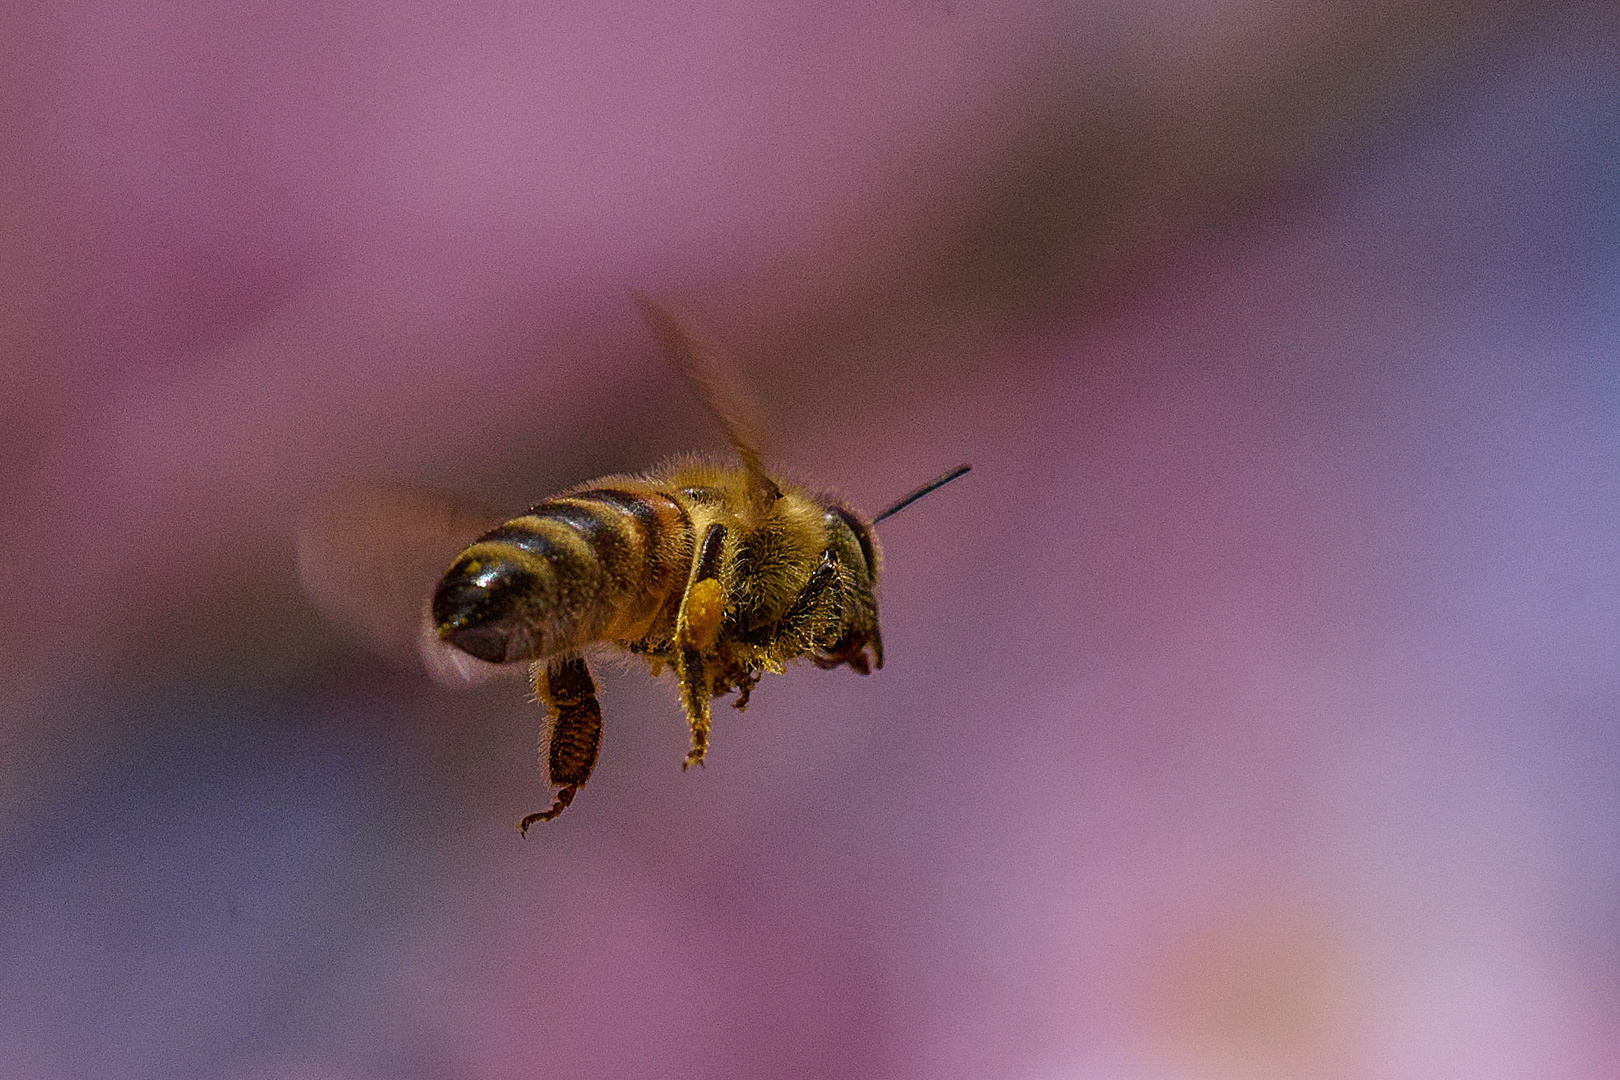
{"type": "Point", "coordinates": [1251, 711]}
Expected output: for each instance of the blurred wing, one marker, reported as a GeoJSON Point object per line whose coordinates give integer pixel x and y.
{"type": "Point", "coordinates": [369, 558]}
{"type": "Point", "coordinates": [719, 390]}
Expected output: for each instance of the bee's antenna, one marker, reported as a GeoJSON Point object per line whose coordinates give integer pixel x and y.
{"type": "Point", "coordinates": [932, 485]}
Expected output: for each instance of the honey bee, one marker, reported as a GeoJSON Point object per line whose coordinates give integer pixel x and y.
{"type": "Point", "coordinates": [720, 573]}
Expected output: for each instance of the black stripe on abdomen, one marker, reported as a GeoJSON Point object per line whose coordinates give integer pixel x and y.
{"type": "Point", "coordinates": [656, 532]}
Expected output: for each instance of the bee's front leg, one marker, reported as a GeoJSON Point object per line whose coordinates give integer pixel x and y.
{"type": "Point", "coordinates": [797, 622]}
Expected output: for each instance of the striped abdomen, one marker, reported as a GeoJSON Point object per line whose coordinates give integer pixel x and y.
{"type": "Point", "coordinates": [594, 565]}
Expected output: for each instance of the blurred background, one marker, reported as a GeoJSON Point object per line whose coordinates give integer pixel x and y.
{"type": "Point", "coordinates": [1251, 711]}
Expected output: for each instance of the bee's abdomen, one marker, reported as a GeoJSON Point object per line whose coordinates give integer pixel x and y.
{"type": "Point", "coordinates": [592, 565]}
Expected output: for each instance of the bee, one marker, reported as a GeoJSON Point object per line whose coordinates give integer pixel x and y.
{"type": "Point", "coordinates": [721, 574]}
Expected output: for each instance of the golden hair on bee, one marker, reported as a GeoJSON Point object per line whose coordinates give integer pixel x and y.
{"type": "Point", "coordinates": [720, 574]}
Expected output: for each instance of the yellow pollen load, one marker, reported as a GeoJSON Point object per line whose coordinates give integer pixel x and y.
{"type": "Point", "coordinates": [705, 608]}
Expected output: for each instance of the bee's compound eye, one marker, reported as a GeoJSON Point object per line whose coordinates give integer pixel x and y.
{"type": "Point", "coordinates": [862, 533]}
{"type": "Point", "coordinates": [474, 609]}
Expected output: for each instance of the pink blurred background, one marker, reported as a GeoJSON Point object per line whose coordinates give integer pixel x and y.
{"type": "Point", "coordinates": [1252, 710]}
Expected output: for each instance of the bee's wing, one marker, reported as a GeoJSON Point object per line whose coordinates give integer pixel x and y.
{"type": "Point", "coordinates": [719, 391]}
{"type": "Point", "coordinates": [369, 557]}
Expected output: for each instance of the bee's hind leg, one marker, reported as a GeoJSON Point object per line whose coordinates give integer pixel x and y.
{"type": "Point", "coordinates": [697, 627]}
{"type": "Point", "coordinates": [564, 686]}
{"type": "Point", "coordinates": [697, 686]}
{"type": "Point", "coordinates": [564, 797]}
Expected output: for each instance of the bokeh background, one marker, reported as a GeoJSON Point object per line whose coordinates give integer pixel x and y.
{"type": "Point", "coordinates": [1252, 710]}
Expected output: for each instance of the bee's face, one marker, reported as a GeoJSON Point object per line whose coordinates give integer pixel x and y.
{"type": "Point", "coordinates": [480, 608]}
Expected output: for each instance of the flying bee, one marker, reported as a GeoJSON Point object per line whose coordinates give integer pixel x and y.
{"type": "Point", "coordinates": [721, 574]}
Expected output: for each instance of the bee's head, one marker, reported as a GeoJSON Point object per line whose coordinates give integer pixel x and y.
{"type": "Point", "coordinates": [479, 607]}
{"type": "Point", "coordinates": [858, 643]}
